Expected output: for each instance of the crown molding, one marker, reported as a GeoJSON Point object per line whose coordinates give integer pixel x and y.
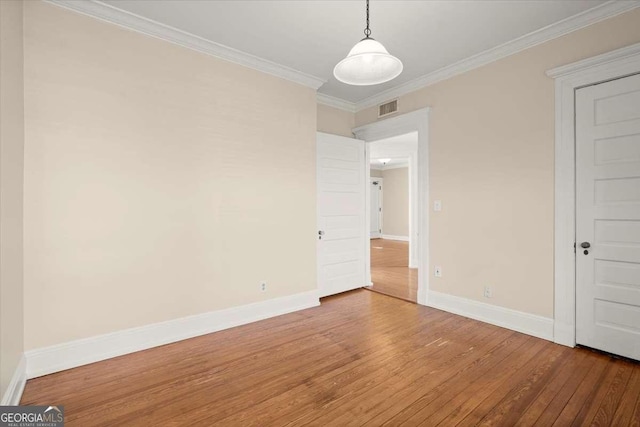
{"type": "Point", "coordinates": [334, 102]}
{"type": "Point", "coordinates": [618, 55]}
{"type": "Point", "coordinates": [131, 21]}
{"type": "Point", "coordinates": [589, 17]}
{"type": "Point", "coordinates": [113, 15]}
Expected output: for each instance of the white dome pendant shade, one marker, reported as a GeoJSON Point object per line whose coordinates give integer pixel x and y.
{"type": "Point", "coordinates": [368, 63]}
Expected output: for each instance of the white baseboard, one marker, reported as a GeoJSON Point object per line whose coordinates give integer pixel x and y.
{"type": "Point", "coordinates": [530, 324]}
{"type": "Point", "coordinates": [391, 237]}
{"type": "Point", "coordinates": [72, 354]}
{"type": "Point", "coordinates": [13, 394]}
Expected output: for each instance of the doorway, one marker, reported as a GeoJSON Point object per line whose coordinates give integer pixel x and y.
{"type": "Point", "coordinates": [415, 123]}
{"type": "Point", "coordinates": [392, 273]}
{"type": "Point", "coordinates": [343, 204]}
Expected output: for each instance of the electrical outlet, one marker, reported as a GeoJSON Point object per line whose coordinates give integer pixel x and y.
{"type": "Point", "coordinates": [437, 271]}
{"type": "Point", "coordinates": [263, 286]}
{"type": "Point", "coordinates": [487, 292]}
{"type": "Point", "coordinates": [437, 205]}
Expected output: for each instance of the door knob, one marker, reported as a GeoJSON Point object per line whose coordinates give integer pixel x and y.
{"type": "Point", "coordinates": [585, 245]}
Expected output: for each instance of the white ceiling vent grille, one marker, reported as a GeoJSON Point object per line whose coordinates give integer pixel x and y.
{"type": "Point", "coordinates": [388, 108]}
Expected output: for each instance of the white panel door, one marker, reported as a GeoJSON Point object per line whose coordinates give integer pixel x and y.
{"type": "Point", "coordinates": [342, 233]}
{"type": "Point", "coordinates": [375, 188]}
{"type": "Point", "coordinates": [608, 216]}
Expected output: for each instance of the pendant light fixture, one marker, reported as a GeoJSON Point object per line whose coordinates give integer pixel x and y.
{"type": "Point", "coordinates": [368, 63]}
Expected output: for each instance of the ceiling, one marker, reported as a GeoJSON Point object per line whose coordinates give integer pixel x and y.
{"type": "Point", "coordinates": [391, 164]}
{"type": "Point", "coordinates": [312, 36]}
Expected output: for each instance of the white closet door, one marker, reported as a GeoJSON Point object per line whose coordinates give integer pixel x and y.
{"type": "Point", "coordinates": [608, 216]}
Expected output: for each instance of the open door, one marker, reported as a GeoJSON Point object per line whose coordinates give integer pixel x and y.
{"type": "Point", "coordinates": [342, 234]}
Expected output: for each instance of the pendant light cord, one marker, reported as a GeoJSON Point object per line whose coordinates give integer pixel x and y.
{"type": "Point", "coordinates": [367, 31]}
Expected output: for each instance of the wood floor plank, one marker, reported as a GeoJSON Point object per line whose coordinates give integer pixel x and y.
{"type": "Point", "coordinates": [624, 412]}
{"type": "Point", "coordinates": [390, 272]}
{"type": "Point", "coordinates": [575, 367]}
{"type": "Point", "coordinates": [177, 392]}
{"type": "Point", "coordinates": [607, 397]}
{"type": "Point", "coordinates": [464, 403]}
{"type": "Point", "coordinates": [635, 418]}
{"type": "Point", "coordinates": [559, 401]}
{"type": "Point", "coordinates": [361, 358]}
{"type": "Point", "coordinates": [344, 389]}
{"type": "Point", "coordinates": [304, 397]}
{"type": "Point", "coordinates": [462, 381]}
{"type": "Point", "coordinates": [137, 380]}
{"type": "Point", "coordinates": [441, 384]}
{"type": "Point", "coordinates": [508, 411]}
{"type": "Point", "coordinates": [583, 392]}
{"type": "Point", "coordinates": [126, 408]}
{"type": "Point", "coordinates": [413, 378]}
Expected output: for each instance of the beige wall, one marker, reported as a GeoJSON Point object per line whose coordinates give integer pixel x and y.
{"type": "Point", "coordinates": [335, 121]}
{"type": "Point", "coordinates": [376, 173]}
{"type": "Point", "coordinates": [158, 180]}
{"type": "Point", "coordinates": [395, 202]}
{"type": "Point", "coordinates": [11, 189]}
{"type": "Point", "coordinates": [491, 154]}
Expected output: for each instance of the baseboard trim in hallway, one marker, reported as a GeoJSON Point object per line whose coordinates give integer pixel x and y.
{"type": "Point", "coordinates": [397, 238]}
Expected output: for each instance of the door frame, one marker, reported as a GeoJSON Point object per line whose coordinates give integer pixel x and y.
{"type": "Point", "coordinates": [416, 121]}
{"type": "Point", "coordinates": [568, 78]}
{"type": "Point", "coordinates": [380, 200]}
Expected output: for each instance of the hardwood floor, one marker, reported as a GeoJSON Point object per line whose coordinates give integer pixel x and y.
{"type": "Point", "coordinates": [361, 358]}
{"type": "Point", "coordinates": [390, 272]}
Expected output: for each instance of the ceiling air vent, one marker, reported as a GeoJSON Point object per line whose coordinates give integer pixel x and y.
{"type": "Point", "coordinates": [388, 108]}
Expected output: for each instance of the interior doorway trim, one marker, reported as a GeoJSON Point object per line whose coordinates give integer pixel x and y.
{"type": "Point", "coordinates": [568, 78]}
{"type": "Point", "coordinates": [416, 121]}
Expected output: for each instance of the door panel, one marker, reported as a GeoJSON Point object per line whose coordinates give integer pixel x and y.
{"type": "Point", "coordinates": [341, 213]}
{"type": "Point", "coordinates": [608, 216]}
